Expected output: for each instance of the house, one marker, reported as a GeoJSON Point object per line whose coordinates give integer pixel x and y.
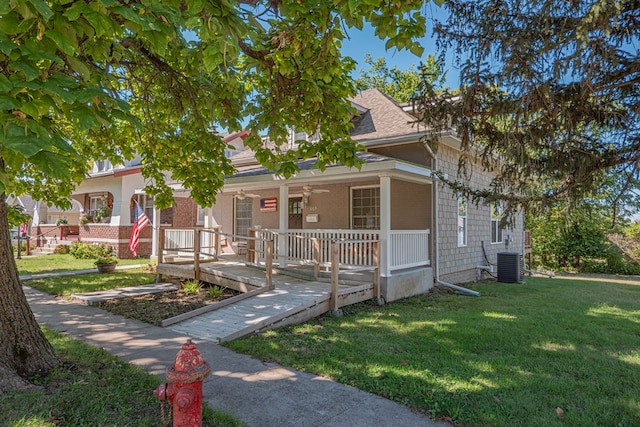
{"type": "Point", "coordinates": [108, 195]}
{"type": "Point", "coordinates": [426, 232]}
{"type": "Point", "coordinates": [45, 218]}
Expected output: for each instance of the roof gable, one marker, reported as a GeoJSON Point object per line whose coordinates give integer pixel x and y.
{"type": "Point", "coordinates": [384, 118]}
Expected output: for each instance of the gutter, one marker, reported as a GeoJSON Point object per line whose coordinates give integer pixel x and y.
{"type": "Point", "coordinates": [436, 252]}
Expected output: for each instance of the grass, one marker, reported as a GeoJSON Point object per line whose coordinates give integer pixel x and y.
{"type": "Point", "coordinates": [66, 285]}
{"type": "Point", "coordinates": [91, 388]}
{"type": "Point", "coordinates": [55, 262]}
{"type": "Point", "coordinates": [551, 352]}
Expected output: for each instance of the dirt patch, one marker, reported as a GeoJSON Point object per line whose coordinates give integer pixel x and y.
{"type": "Point", "coordinates": [154, 308]}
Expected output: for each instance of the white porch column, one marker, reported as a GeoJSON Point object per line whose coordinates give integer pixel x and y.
{"type": "Point", "coordinates": [155, 235]}
{"type": "Point", "coordinates": [209, 219]}
{"type": "Point", "coordinates": [283, 224]}
{"type": "Point", "coordinates": [385, 224]}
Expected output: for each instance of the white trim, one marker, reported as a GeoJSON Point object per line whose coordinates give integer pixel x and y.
{"type": "Point", "coordinates": [362, 187]}
{"type": "Point", "coordinates": [466, 221]}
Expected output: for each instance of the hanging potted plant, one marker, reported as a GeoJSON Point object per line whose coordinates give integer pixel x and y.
{"type": "Point", "coordinates": [106, 264]}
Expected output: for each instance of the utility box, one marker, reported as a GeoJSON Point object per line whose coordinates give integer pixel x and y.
{"type": "Point", "coordinates": [509, 267]}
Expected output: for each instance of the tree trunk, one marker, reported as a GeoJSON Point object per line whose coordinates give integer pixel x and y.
{"type": "Point", "coordinates": [24, 350]}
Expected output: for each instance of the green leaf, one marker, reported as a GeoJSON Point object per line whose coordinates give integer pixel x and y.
{"type": "Point", "coordinates": [101, 23]}
{"type": "Point", "coordinates": [85, 118]}
{"type": "Point", "coordinates": [27, 146]}
{"type": "Point", "coordinates": [53, 87]}
{"type": "Point", "coordinates": [42, 8]}
{"type": "Point", "coordinates": [52, 164]}
{"type": "Point", "coordinates": [27, 67]}
{"type": "Point", "coordinates": [79, 67]}
{"type": "Point", "coordinates": [5, 83]}
{"type": "Point", "coordinates": [8, 102]}
{"type": "Point", "coordinates": [61, 41]}
{"type": "Point", "coordinates": [77, 10]}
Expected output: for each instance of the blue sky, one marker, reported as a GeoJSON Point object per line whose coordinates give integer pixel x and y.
{"type": "Point", "coordinates": [362, 42]}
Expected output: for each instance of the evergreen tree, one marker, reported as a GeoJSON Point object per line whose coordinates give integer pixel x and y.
{"type": "Point", "coordinates": [550, 95]}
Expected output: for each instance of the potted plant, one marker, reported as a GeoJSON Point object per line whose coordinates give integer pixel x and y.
{"type": "Point", "coordinates": [85, 219]}
{"type": "Point", "coordinates": [106, 264]}
{"type": "Point", "coordinates": [103, 215]}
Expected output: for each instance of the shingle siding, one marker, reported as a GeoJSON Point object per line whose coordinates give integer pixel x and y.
{"type": "Point", "coordinates": [458, 264]}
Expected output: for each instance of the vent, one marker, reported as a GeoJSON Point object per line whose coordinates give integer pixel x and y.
{"type": "Point", "coordinates": [508, 267]}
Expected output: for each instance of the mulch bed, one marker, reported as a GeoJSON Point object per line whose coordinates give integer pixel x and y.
{"type": "Point", "coordinates": [154, 308]}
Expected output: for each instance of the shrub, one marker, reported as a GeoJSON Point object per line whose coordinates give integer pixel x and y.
{"type": "Point", "coordinates": [62, 249]}
{"type": "Point", "coordinates": [215, 292]}
{"type": "Point", "coordinates": [23, 247]}
{"type": "Point", "coordinates": [191, 287]}
{"type": "Point", "coordinates": [81, 250]}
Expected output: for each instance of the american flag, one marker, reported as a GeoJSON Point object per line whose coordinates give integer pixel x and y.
{"type": "Point", "coordinates": [23, 229]}
{"type": "Point", "coordinates": [140, 221]}
{"type": "Point", "coordinates": [269, 205]}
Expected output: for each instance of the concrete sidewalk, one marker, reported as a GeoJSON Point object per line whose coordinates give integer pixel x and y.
{"type": "Point", "coordinates": [258, 393]}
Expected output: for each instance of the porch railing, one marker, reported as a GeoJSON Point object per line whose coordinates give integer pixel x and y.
{"type": "Point", "coordinates": [406, 248]}
{"type": "Point", "coordinates": [198, 245]}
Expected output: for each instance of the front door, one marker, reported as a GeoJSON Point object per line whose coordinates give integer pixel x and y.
{"type": "Point", "coordinates": [295, 213]}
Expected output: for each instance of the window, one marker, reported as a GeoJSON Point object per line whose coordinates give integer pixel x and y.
{"type": "Point", "coordinates": [146, 204]}
{"type": "Point", "coordinates": [243, 216]}
{"type": "Point", "coordinates": [202, 212]}
{"type": "Point", "coordinates": [365, 208]}
{"type": "Point", "coordinates": [102, 166]}
{"type": "Point", "coordinates": [462, 220]}
{"type": "Point", "coordinates": [96, 203]}
{"type": "Point", "coordinates": [496, 218]}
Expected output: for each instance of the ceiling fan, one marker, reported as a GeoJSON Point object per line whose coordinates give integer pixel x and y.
{"type": "Point", "coordinates": [307, 190]}
{"type": "Point", "coordinates": [242, 195]}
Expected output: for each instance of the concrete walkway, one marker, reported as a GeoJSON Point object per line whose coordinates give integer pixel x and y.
{"type": "Point", "coordinates": [260, 394]}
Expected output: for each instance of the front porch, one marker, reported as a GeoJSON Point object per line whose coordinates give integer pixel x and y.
{"type": "Point", "coordinates": [394, 264]}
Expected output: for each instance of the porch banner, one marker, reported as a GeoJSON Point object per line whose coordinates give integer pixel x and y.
{"type": "Point", "coordinates": [269, 205]}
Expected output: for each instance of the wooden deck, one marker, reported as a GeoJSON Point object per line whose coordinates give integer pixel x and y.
{"type": "Point", "coordinates": [291, 299]}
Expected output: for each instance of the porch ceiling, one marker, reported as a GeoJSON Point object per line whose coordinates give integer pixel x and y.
{"type": "Point", "coordinates": [258, 177]}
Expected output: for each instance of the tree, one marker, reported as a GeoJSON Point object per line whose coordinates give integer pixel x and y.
{"type": "Point", "coordinates": [109, 79]}
{"type": "Point", "coordinates": [398, 84]}
{"type": "Point", "coordinates": [550, 95]}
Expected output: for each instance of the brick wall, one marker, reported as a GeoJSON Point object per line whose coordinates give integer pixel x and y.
{"type": "Point", "coordinates": [185, 212]}
{"type": "Point", "coordinates": [118, 237]}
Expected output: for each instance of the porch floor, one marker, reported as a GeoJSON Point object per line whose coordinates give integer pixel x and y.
{"type": "Point", "coordinates": [293, 300]}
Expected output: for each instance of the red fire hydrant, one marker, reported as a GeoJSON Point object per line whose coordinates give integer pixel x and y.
{"type": "Point", "coordinates": [184, 387]}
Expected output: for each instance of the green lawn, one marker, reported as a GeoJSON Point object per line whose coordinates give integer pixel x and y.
{"type": "Point", "coordinates": [550, 352]}
{"type": "Point", "coordinates": [90, 282]}
{"type": "Point", "coordinates": [55, 262]}
{"type": "Point", "coordinates": [91, 388]}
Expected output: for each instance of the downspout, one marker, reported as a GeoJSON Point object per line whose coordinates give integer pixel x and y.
{"type": "Point", "coordinates": [436, 239]}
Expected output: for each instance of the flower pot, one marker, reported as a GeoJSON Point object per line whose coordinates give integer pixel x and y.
{"type": "Point", "coordinates": [106, 268]}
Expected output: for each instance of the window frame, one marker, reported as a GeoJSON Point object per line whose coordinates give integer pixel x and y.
{"type": "Point", "coordinates": [100, 202]}
{"type": "Point", "coordinates": [376, 207]}
{"type": "Point", "coordinates": [463, 216]}
{"type": "Point", "coordinates": [497, 232]}
{"type": "Point", "coordinates": [237, 229]}
{"type": "Point", "coordinates": [201, 214]}
{"type": "Point", "coordinates": [146, 203]}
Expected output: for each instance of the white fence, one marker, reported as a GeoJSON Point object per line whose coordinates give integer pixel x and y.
{"type": "Point", "coordinates": [407, 248]}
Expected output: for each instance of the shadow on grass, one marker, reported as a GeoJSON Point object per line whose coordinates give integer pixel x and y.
{"type": "Point", "coordinates": [549, 352]}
